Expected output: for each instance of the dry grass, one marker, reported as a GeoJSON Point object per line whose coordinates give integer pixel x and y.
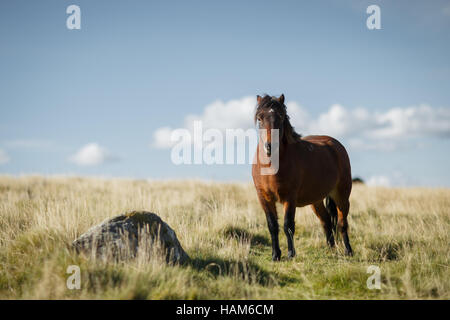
{"type": "Point", "coordinates": [403, 231]}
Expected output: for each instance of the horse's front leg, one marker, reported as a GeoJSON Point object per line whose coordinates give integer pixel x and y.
{"type": "Point", "coordinates": [289, 226]}
{"type": "Point", "coordinates": [272, 222]}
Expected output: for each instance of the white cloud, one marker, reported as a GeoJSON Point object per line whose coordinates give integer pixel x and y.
{"type": "Point", "coordinates": [382, 181]}
{"type": "Point", "coordinates": [162, 138]}
{"type": "Point", "coordinates": [226, 115]}
{"type": "Point", "coordinates": [338, 121]}
{"type": "Point", "coordinates": [364, 129]}
{"type": "Point", "coordinates": [4, 158]}
{"type": "Point", "coordinates": [90, 155]}
{"type": "Point", "coordinates": [412, 121]}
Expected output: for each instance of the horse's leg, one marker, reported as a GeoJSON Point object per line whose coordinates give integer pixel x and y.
{"type": "Point", "coordinates": [289, 226]}
{"type": "Point", "coordinates": [272, 222]}
{"type": "Point", "coordinates": [325, 219]}
{"type": "Point", "coordinates": [343, 207]}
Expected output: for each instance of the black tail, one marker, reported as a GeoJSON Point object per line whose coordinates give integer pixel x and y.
{"type": "Point", "coordinates": [332, 210]}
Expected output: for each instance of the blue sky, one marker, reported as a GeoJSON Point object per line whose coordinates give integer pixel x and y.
{"type": "Point", "coordinates": [136, 67]}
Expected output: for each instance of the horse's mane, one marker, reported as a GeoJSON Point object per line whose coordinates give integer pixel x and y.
{"type": "Point", "coordinates": [267, 102]}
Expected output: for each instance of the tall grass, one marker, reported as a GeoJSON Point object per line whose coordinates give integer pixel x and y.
{"type": "Point", "coordinates": [221, 226]}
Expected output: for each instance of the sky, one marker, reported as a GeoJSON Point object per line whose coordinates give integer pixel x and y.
{"type": "Point", "coordinates": [103, 100]}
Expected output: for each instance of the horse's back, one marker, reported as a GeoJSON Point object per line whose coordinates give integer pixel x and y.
{"type": "Point", "coordinates": [331, 142]}
{"type": "Point", "coordinates": [322, 140]}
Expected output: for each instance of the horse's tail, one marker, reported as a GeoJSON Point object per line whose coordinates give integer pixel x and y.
{"type": "Point", "coordinates": [332, 210]}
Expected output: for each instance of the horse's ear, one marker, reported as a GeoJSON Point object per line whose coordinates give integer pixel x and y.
{"type": "Point", "coordinates": [281, 99]}
{"type": "Point", "coordinates": [258, 99]}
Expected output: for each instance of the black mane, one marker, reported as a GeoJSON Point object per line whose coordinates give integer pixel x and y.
{"type": "Point", "coordinates": [267, 102]}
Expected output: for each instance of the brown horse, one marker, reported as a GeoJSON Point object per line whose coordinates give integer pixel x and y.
{"type": "Point", "coordinates": [310, 169]}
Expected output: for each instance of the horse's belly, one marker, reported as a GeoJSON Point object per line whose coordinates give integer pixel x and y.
{"type": "Point", "coordinates": [304, 200]}
{"type": "Point", "coordinates": [314, 190]}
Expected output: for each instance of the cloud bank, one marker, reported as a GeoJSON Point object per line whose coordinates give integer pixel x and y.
{"type": "Point", "coordinates": [363, 129]}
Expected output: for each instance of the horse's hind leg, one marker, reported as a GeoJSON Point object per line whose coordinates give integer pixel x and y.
{"type": "Point", "coordinates": [325, 219]}
{"type": "Point", "coordinates": [343, 207]}
{"type": "Point", "coordinates": [332, 211]}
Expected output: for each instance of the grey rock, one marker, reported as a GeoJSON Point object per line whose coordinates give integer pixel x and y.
{"type": "Point", "coordinates": [129, 235]}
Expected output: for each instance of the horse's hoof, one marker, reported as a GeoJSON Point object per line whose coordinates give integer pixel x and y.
{"type": "Point", "coordinates": [291, 254]}
{"type": "Point", "coordinates": [276, 257]}
{"type": "Point", "coordinates": [349, 252]}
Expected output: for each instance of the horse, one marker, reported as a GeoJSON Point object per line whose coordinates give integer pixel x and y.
{"type": "Point", "coordinates": [311, 169]}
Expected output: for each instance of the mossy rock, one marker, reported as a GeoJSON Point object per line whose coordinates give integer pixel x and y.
{"type": "Point", "coordinates": [127, 235]}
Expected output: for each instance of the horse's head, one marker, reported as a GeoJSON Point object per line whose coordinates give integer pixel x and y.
{"type": "Point", "coordinates": [271, 114]}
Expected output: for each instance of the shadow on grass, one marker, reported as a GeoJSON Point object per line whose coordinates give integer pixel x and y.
{"type": "Point", "coordinates": [241, 234]}
{"type": "Point", "coordinates": [390, 250]}
{"type": "Point", "coordinates": [245, 270]}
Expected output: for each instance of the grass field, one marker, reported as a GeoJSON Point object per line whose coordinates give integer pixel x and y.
{"type": "Point", "coordinates": [405, 232]}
